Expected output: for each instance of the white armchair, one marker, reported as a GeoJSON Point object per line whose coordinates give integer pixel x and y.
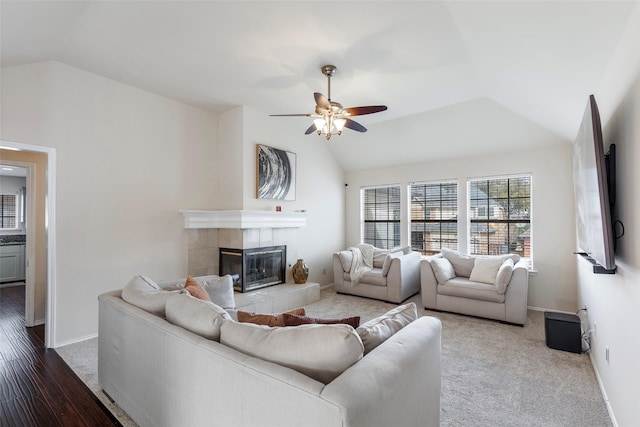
{"type": "Point", "coordinates": [395, 275]}
{"type": "Point", "coordinates": [458, 293]}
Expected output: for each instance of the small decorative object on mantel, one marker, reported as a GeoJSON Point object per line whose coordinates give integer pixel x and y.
{"type": "Point", "coordinates": [300, 272]}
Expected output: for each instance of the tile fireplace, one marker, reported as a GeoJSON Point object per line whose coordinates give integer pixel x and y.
{"type": "Point", "coordinates": [241, 233]}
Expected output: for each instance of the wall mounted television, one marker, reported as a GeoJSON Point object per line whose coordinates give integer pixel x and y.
{"type": "Point", "coordinates": [594, 184]}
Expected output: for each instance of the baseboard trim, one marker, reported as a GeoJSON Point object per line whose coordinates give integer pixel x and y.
{"type": "Point", "coordinates": [11, 284]}
{"type": "Point", "coordinates": [325, 287]}
{"type": "Point", "coordinates": [549, 309]}
{"type": "Point", "coordinates": [604, 392]}
{"type": "Point", "coordinates": [77, 340]}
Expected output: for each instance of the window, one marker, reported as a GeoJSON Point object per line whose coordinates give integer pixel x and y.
{"type": "Point", "coordinates": [499, 216]}
{"type": "Point", "coordinates": [8, 211]}
{"type": "Point", "coordinates": [381, 215]}
{"type": "Point", "coordinates": [434, 216]}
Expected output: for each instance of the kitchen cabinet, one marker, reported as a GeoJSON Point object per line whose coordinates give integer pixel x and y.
{"type": "Point", "coordinates": [12, 263]}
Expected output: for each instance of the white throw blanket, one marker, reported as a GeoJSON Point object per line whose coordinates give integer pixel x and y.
{"type": "Point", "coordinates": [362, 261]}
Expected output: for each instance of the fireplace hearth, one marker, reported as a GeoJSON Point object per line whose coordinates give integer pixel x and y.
{"type": "Point", "coordinates": [254, 268]}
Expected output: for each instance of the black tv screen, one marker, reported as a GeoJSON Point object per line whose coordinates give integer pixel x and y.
{"type": "Point", "coordinates": [593, 211]}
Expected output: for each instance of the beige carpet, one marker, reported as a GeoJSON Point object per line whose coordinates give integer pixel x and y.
{"type": "Point", "coordinates": [492, 374]}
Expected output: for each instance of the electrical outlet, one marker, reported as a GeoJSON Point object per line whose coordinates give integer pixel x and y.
{"type": "Point", "coordinates": [323, 270]}
{"type": "Point", "coordinates": [606, 354]}
{"type": "Point", "coordinates": [595, 328]}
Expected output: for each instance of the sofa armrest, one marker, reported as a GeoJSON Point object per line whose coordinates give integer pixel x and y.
{"type": "Point", "coordinates": [338, 271]}
{"type": "Point", "coordinates": [516, 294]}
{"type": "Point", "coordinates": [401, 376]}
{"type": "Point", "coordinates": [403, 278]}
{"type": "Point", "coordinates": [428, 283]}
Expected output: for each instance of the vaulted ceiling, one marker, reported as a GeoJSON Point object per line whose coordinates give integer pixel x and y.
{"type": "Point", "coordinates": [459, 77]}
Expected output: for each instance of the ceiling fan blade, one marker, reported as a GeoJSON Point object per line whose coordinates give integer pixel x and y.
{"type": "Point", "coordinates": [354, 126]}
{"type": "Point", "coordinates": [361, 111]}
{"type": "Point", "coordinates": [290, 115]}
{"type": "Point", "coordinates": [311, 129]}
{"type": "Point", "coordinates": [321, 100]}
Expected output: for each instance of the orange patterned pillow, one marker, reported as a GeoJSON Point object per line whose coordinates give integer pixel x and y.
{"type": "Point", "coordinates": [196, 290]}
{"type": "Point", "coordinates": [268, 319]}
{"type": "Point", "coordinates": [293, 320]}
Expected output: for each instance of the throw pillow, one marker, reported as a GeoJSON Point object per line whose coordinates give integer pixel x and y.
{"type": "Point", "coordinates": [387, 261]}
{"type": "Point", "coordinates": [442, 269]}
{"type": "Point", "coordinates": [379, 255]}
{"type": "Point", "coordinates": [195, 289]}
{"type": "Point", "coordinates": [346, 258]}
{"type": "Point", "coordinates": [220, 290]}
{"type": "Point", "coordinates": [378, 330]}
{"type": "Point", "coordinates": [321, 352]}
{"type": "Point", "coordinates": [198, 316]}
{"type": "Point", "coordinates": [144, 293]}
{"type": "Point", "coordinates": [486, 269]}
{"type": "Point", "coordinates": [504, 276]}
{"type": "Point", "coordinates": [268, 319]}
{"type": "Point", "coordinates": [294, 320]}
{"type": "Point", "coordinates": [462, 263]}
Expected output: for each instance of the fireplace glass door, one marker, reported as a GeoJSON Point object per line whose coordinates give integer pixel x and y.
{"type": "Point", "coordinates": [254, 268]}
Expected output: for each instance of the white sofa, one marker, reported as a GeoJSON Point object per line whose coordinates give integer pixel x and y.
{"type": "Point", "coordinates": [460, 294]}
{"type": "Point", "coordinates": [161, 374]}
{"type": "Point", "coordinates": [394, 282]}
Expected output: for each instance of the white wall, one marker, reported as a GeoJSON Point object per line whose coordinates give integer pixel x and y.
{"type": "Point", "coordinates": [553, 225]}
{"type": "Point", "coordinates": [613, 300]}
{"type": "Point", "coordinates": [319, 187]}
{"type": "Point", "coordinates": [128, 160]}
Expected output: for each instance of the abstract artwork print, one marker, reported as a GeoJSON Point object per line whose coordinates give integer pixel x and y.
{"type": "Point", "coordinates": [276, 173]}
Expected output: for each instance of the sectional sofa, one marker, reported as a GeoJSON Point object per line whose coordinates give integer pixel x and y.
{"type": "Point", "coordinates": [164, 374]}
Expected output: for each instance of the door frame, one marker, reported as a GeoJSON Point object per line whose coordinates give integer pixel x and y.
{"type": "Point", "coordinates": [50, 232]}
{"type": "Point", "coordinates": [29, 317]}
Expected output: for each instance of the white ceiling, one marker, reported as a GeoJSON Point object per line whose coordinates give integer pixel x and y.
{"type": "Point", "coordinates": [468, 75]}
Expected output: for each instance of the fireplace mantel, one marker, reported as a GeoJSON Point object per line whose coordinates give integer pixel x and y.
{"type": "Point", "coordinates": [243, 219]}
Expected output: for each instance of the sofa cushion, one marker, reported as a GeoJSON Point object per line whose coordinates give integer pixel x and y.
{"type": "Point", "coordinates": [321, 352]}
{"type": "Point", "coordinates": [376, 331]}
{"type": "Point", "coordinates": [388, 259]}
{"type": "Point", "coordinates": [144, 293]}
{"type": "Point", "coordinates": [504, 276]}
{"type": "Point", "coordinates": [380, 255]}
{"type": "Point", "coordinates": [195, 289]}
{"type": "Point", "coordinates": [267, 319]}
{"type": "Point", "coordinates": [462, 263]}
{"type": "Point", "coordinates": [198, 316]}
{"type": "Point", "coordinates": [465, 288]}
{"type": "Point", "coordinates": [442, 269]}
{"type": "Point", "coordinates": [373, 277]}
{"type": "Point", "coordinates": [295, 320]}
{"type": "Point", "coordinates": [220, 290]}
{"type": "Point", "coordinates": [346, 258]}
{"type": "Point", "coordinates": [486, 269]}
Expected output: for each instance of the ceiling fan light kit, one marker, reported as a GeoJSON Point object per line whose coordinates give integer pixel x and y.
{"type": "Point", "coordinates": [331, 117]}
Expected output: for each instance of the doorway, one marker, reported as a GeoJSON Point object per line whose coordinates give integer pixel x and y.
{"type": "Point", "coordinates": [40, 236]}
{"type": "Point", "coordinates": [15, 185]}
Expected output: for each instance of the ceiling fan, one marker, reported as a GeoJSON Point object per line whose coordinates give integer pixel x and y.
{"type": "Point", "coordinates": [331, 117]}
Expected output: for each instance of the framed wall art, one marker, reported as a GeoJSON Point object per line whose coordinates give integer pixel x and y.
{"type": "Point", "coordinates": [275, 174]}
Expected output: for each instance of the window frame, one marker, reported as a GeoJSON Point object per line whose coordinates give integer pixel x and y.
{"type": "Point", "coordinates": [16, 212]}
{"type": "Point", "coordinates": [396, 222]}
{"type": "Point", "coordinates": [527, 250]}
{"type": "Point", "coordinates": [440, 221]}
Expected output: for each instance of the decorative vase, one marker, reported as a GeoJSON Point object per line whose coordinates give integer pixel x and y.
{"type": "Point", "coordinates": [300, 272]}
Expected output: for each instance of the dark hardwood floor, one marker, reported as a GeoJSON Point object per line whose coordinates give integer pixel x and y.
{"type": "Point", "coordinates": [37, 388]}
